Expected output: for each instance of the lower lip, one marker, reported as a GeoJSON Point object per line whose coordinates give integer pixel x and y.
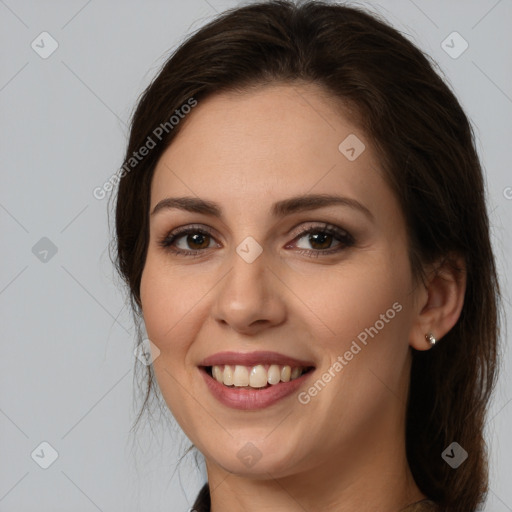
{"type": "Point", "coordinates": [248, 399]}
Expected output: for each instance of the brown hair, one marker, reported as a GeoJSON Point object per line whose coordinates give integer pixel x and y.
{"type": "Point", "coordinates": [426, 144]}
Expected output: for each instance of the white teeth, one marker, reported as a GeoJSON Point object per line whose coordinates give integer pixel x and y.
{"type": "Point", "coordinates": [217, 373]}
{"type": "Point", "coordinates": [274, 374]}
{"type": "Point", "coordinates": [255, 376]}
{"type": "Point", "coordinates": [228, 375]}
{"type": "Point", "coordinates": [240, 376]}
{"type": "Point", "coordinates": [286, 373]}
{"type": "Point", "coordinates": [258, 377]}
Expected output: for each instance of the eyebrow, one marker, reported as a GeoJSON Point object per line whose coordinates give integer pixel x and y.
{"type": "Point", "coordinates": [279, 209]}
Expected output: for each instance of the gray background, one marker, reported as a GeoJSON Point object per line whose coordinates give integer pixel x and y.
{"type": "Point", "coordinates": [67, 355]}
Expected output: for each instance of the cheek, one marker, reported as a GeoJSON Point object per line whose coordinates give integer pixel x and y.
{"type": "Point", "coordinates": [166, 300]}
{"type": "Point", "coordinates": [164, 320]}
{"type": "Point", "coordinates": [165, 306]}
{"type": "Point", "coordinates": [352, 298]}
{"type": "Point", "coordinates": [366, 308]}
{"type": "Point", "coordinates": [366, 364]}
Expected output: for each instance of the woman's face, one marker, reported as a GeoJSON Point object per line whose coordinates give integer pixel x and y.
{"type": "Point", "coordinates": [253, 296]}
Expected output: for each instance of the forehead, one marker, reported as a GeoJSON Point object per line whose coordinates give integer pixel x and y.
{"type": "Point", "coordinates": [253, 148]}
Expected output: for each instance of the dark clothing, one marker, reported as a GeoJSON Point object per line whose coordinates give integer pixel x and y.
{"type": "Point", "coordinates": [203, 504]}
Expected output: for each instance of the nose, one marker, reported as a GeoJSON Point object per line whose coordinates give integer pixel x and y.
{"type": "Point", "coordinates": [250, 297]}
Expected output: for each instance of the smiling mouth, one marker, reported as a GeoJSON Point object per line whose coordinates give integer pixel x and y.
{"type": "Point", "coordinates": [260, 376]}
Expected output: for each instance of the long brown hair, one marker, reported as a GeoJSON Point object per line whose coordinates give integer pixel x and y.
{"type": "Point", "coordinates": [427, 150]}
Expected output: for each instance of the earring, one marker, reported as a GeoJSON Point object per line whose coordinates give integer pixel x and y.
{"type": "Point", "coordinates": [430, 338]}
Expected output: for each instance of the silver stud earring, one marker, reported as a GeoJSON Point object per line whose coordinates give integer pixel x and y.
{"type": "Point", "coordinates": [430, 338]}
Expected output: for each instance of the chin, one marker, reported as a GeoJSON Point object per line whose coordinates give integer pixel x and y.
{"type": "Point", "coordinates": [257, 459]}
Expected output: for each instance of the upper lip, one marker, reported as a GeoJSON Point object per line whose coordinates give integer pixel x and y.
{"type": "Point", "coordinates": [252, 359]}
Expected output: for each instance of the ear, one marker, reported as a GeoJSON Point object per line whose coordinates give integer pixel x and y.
{"type": "Point", "coordinates": [440, 301]}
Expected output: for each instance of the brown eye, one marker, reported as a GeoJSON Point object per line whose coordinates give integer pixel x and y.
{"type": "Point", "coordinates": [197, 241]}
{"type": "Point", "coordinates": [193, 241]}
{"type": "Point", "coordinates": [321, 238]}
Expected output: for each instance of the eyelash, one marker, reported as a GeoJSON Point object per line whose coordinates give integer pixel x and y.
{"type": "Point", "coordinates": [346, 239]}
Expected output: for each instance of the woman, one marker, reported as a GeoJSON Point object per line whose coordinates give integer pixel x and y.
{"type": "Point", "coordinates": [302, 226]}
